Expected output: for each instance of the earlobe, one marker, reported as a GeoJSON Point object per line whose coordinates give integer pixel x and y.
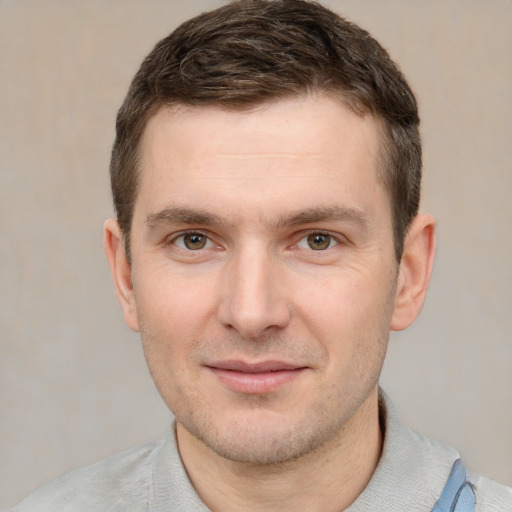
{"type": "Point", "coordinates": [121, 271]}
{"type": "Point", "coordinates": [415, 271]}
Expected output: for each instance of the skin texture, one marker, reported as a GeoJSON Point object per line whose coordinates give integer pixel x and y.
{"type": "Point", "coordinates": [264, 284]}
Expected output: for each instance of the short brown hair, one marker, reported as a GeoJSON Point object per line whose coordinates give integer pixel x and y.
{"type": "Point", "coordinates": [251, 51]}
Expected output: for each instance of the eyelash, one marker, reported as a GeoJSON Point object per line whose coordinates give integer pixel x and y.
{"type": "Point", "coordinates": [333, 240]}
{"type": "Point", "coordinates": [177, 236]}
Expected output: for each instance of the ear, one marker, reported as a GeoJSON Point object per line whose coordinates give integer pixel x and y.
{"type": "Point", "coordinates": [415, 271]}
{"type": "Point", "coordinates": [121, 271]}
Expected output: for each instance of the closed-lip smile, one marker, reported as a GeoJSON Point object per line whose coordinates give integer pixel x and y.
{"type": "Point", "coordinates": [255, 378]}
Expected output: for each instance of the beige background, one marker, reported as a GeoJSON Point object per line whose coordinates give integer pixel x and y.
{"type": "Point", "coordinates": [73, 383]}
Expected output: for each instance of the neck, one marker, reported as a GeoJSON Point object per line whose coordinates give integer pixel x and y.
{"type": "Point", "coordinates": [326, 480]}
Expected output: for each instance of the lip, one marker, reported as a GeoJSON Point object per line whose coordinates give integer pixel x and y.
{"type": "Point", "coordinates": [255, 378]}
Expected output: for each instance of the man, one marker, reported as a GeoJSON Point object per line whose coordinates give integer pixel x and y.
{"type": "Point", "coordinates": [266, 178]}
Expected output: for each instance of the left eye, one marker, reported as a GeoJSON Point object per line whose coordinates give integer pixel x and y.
{"type": "Point", "coordinates": [317, 242]}
{"type": "Point", "coordinates": [193, 241]}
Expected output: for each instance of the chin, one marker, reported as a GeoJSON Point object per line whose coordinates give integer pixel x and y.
{"type": "Point", "coordinates": [260, 439]}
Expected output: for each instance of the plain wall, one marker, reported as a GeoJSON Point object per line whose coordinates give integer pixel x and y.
{"type": "Point", "coordinates": [73, 382]}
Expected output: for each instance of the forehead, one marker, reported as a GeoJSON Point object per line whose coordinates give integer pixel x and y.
{"type": "Point", "coordinates": [276, 149]}
{"type": "Point", "coordinates": [303, 125]}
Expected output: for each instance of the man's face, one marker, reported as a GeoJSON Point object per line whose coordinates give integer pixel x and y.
{"type": "Point", "coordinates": [263, 272]}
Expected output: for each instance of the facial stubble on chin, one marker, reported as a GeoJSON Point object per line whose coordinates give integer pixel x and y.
{"type": "Point", "coordinates": [269, 438]}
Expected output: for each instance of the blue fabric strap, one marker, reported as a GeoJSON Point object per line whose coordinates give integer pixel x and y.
{"type": "Point", "coordinates": [458, 494]}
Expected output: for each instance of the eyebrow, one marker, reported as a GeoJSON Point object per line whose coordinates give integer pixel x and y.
{"type": "Point", "coordinates": [323, 214]}
{"type": "Point", "coordinates": [183, 215]}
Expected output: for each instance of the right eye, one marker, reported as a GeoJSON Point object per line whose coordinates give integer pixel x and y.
{"type": "Point", "coordinates": [193, 241]}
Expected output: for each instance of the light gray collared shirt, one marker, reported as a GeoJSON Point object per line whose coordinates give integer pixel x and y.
{"type": "Point", "coordinates": [410, 476]}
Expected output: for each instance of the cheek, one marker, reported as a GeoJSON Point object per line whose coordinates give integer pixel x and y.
{"type": "Point", "coordinates": [334, 302]}
{"type": "Point", "coordinates": [171, 323]}
{"type": "Point", "coordinates": [174, 300]}
{"type": "Point", "coordinates": [172, 314]}
{"type": "Point", "coordinates": [348, 313]}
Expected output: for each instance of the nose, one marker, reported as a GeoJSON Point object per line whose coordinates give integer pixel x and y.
{"type": "Point", "coordinates": [253, 298]}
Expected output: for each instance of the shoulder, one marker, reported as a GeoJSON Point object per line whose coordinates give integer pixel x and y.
{"type": "Point", "coordinates": [491, 496]}
{"type": "Point", "coordinates": [414, 469]}
{"type": "Point", "coordinates": [118, 483]}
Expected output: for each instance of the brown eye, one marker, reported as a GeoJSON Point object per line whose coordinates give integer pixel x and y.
{"type": "Point", "coordinates": [319, 241]}
{"type": "Point", "coordinates": [194, 241]}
